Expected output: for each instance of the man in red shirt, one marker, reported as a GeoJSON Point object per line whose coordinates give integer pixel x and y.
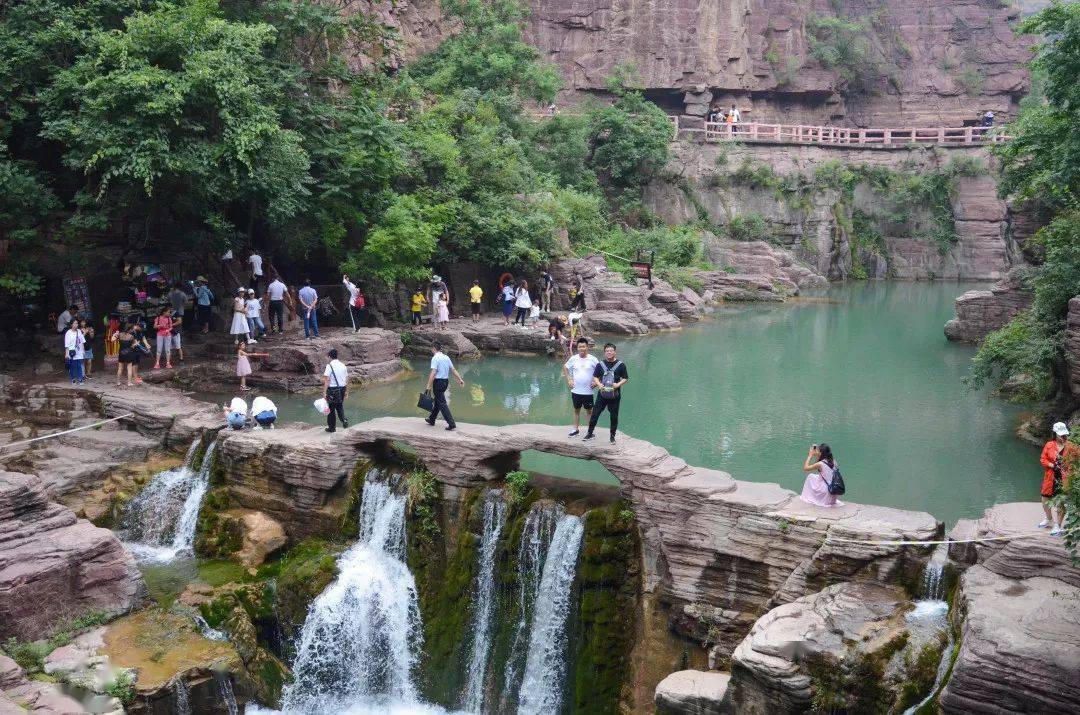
{"type": "Point", "coordinates": [1059, 455]}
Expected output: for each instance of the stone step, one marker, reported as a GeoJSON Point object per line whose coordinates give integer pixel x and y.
{"type": "Point", "coordinates": [694, 692]}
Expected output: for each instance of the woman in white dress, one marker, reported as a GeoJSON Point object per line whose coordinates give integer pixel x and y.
{"type": "Point", "coordinates": [239, 327]}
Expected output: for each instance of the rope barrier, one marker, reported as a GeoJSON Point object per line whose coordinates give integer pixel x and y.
{"type": "Point", "coordinates": [899, 542]}
{"type": "Point", "coordinates": [68, 431]}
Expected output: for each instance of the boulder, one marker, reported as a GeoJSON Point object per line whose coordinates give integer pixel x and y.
{"type": "Point", "coordinates": [744, 287]}
{"type": "Point", "coordinates": [836, 642]}
{"type": "Point", "coordinates": [1020, 639]}
{"type": "Point", "coordinates": [493, 336]}
{"type": "Point", "coordinates": [453, 343]}
{"type": "Point", "coordinates": [694, 692]}
{"type": "Point", "coordinates": [295, 363]}
{"type": "Point", "coordinates": [262, 536]}
{"type": "Point", "coordinates": [20, 695]}
{"type": "Point", "coordinates": [55, 567]}
{"type": "Point", "coordinates": [978, 312]}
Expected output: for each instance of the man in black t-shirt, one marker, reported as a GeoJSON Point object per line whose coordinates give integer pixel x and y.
{"type": "Point", "coordinates": [609, 376]}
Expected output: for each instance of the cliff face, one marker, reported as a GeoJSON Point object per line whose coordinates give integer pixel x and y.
{"type": "Point", "coordinates": [924, 64]}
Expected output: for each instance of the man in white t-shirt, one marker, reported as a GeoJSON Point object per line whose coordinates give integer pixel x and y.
{"type": "Point", "coordinates": [578, 372]}
{"type": "Point", "coordinates": [335, 390]}
{"type": "Point", "coordinates": [264, 411]}
{"type": "Point", "coordinates": [276, 293]}
{"type": "Point", "coordinates": [256, 262]}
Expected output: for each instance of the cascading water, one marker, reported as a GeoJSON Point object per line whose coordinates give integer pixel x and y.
{"type": "Point", "coordinates": [929, 618]}
{"type": "Point", "coordinates": [181, 698]}
{"type": "Point", "coordinates": [532, 550]}
{"type": "Point", "coordinates": [359, 645]}
{"type": "Point", "coordinates": [483, 600]}
{"type": "Point", "coordinates": [545, 664]}
{"type": "Point", "coordinates": [225, 690]}
{"type": "Point", "coordinates": [160, 522]}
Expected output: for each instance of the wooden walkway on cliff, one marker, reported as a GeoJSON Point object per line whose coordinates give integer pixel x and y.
{"type": "Point", "coordinates": [852, 136]}
{"type": "Point", "coordinates": [826, 136]}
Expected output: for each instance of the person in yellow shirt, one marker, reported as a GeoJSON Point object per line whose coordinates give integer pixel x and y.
{"type": "Point", "coordinates": [418, 303]}
{"type": "Point", "coordinates": [476, 294]}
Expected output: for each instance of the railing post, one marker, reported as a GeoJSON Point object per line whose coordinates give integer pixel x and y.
{"type": "Point", "coordinates": [967, 135]}
{"type": "Point", "coordinates": [862, 136]}
{"type": "Point", "coordinates": [941, 135]}
{"type": "Point", "coordinates": [887, 136]}
{"type": "Point", "coordinates": [753, 131]}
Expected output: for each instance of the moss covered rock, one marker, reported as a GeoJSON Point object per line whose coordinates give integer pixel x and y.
{"type": "Point", "coordinates": [301, 575]}
{"type": "Point", "coordinates": [608, 593]}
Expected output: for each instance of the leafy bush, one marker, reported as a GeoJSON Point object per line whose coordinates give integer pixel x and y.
{"type": "Point", "coordinates": [122, 687]}
{"type": "Point", "coordinates": [751, 227]}
{"type": "Point", "coordinates": [1024, 347]}
{"type": "Point", "coordinates": [970, 81]}
{"type": "Point", "coordinates": [517, 486]}
{"type": "Point", "coordinates": [755, 175]}
{"type": "Point", "coordinates": [842, 45]}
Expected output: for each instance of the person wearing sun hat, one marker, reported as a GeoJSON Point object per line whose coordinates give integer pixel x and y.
{"type": "Point", "coordinates": [1058, 458]}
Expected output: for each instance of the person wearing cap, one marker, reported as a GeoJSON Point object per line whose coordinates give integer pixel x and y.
{"type": "Point", "coordinates": [438, 380]}
{"type": "Point", "coordinates": [204, 298]}
{"type": "Point", "coordinates": [254, 315]}
{"type": "Point", "coordinates": [335, 390]}
{"type": "Point", "coordinates": [1058, 458]}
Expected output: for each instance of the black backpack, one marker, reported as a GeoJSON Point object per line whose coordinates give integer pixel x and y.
{"type": "Point", "coordinates": [836, 486]}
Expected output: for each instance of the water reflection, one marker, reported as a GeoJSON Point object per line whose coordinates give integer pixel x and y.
{"type": "Point", "coordinates": [748, 391]}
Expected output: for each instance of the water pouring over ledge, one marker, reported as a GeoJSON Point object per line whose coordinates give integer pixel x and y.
{"type": "Point", "coordinates": [159, 523]}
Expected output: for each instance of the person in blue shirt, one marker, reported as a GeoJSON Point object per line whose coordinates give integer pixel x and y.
{"type": "Point", "coordinates": [204, 299]}
{"type": "Point", "coordinates": [309, 303]}
{"type": "Point", "coordinates": [438, 380]}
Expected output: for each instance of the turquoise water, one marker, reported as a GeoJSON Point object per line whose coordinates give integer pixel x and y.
{"type": "Point", "coordinates": [865, 368]}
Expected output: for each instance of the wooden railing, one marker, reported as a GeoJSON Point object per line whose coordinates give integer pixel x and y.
{"type": "Point", "coordinates": [851, 136]}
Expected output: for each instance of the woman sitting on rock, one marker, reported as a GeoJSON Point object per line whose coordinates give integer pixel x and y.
{"type": "Point", "coordinates": [820, 466]}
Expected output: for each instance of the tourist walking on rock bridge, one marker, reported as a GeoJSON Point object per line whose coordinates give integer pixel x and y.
{"type": "Point", "coordinates": [1059, 457]}
{"type": "Point", "coordinates": [437, 383]}
{"type": "Point", "coordinates": [609, 377]}
{"type": "Point", "coordinates": [335, 390]}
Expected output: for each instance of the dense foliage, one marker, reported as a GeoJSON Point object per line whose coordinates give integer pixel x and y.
{"type": "Point", "coordinates": [1041, 165]}
{"type": "Point", "coordinates": [197, 125]}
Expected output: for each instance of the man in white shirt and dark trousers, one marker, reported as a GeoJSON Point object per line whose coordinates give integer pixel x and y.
{"type": "Point", "coordinates": [335, 390]}
{"type": "Point", "coordinates": [276, 292]}
{"type": "Point", "coordinates": [437, 382]}
{"type": "Point", "coordinates": [578, 372]}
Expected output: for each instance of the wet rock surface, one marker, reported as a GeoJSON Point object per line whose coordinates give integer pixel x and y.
{"type": "Point", "coordinates": [55, 567]}
{"type": "Point", "coordinates": [1020, 640]}
{"type": "Point", "coordinates": [1072, 345]}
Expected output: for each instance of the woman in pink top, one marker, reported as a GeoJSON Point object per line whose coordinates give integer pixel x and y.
{"type": "Point", "coordinates": [163, 325]}
{"type": "Point", "coordinates": [820, 465]}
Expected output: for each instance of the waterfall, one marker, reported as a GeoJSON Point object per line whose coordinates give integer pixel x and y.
{"type": "Point", "coordinates": [929, 618]}
{"type": "Point", "coordinates": [225, 690]}
{"type": "Point", "coordinates": [545, 664]}
{"type": "Point", "coordinates": [933, 583]}
{"type": "Point", "coordinates": [160, 522]}
{"type": "Point", "coordinates": [483, 597]}
{"type": "Point", "coordinates": [181, 700]}
{"type": "Point", "coordinates": [532, 550]}
{"type": "Point", "coordinates": [362, 636]}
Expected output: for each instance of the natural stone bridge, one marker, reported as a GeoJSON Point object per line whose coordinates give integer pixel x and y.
{"type": "Point", "coordinates": [718, 550]}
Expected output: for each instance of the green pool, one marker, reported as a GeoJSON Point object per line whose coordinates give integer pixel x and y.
{"type": "Point", "coordinates": [863, 367]}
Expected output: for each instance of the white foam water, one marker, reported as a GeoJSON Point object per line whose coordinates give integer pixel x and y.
{"type": "Point", "coordinates": [545, 665]}
{"type": "Point", "coordinates": [160, 522]}
{"type": "Point", "coordinates": [532, 550]}
{"type": "Point", "coordinates": [362, 636]}
{"type": "Point", "coordinates": [483, 600]}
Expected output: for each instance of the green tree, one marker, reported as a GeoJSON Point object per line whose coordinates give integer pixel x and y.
{"type": "Point", "coordinates": [1040, 164]}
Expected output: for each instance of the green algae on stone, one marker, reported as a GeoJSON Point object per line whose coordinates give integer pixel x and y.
{"type": "Point", "coordinates": [444, 587]}
{"type": "Point", "coordinates": [607, 590]}
{"type": "Point", "coordinates": [301, 575]}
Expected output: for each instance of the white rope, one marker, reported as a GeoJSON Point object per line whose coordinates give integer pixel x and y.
{"type": "Point", "coordinates": [67, 431]}
{"type": "Point", "coordinates": [933, 543]}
